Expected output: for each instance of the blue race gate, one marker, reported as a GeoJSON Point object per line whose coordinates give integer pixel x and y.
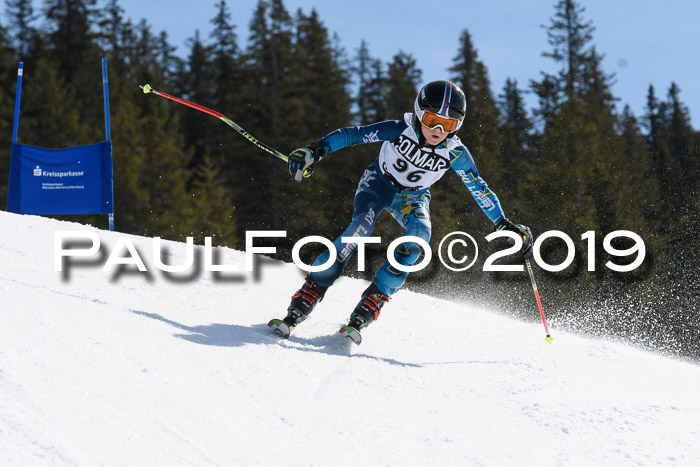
{"type": "Point", "coordinates": [74, 180]}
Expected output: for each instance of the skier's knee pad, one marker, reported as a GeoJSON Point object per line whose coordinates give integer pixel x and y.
{"type": "Point", "coordinates": [419, 230]}
{"type": "Point", "coordinates": [407, 252]}
{"type": "Point", "coordinates": [388, 278]}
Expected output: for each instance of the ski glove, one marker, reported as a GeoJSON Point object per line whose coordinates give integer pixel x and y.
{"type": "Point", "coordinates": [301, 161]}
{"type": "Point", "coordinates": [521, 230]}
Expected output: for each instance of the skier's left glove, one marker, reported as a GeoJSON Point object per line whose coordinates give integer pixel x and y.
{"type": "Point", "coordinates": [524, 233]}
{"type": "Point", "coordinates": [301, 161]}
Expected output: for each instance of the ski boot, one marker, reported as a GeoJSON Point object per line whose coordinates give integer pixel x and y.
{"type": "Point", "coordinates": [365, 312]}
{"type": "Point", "coordinates": [303, 302]}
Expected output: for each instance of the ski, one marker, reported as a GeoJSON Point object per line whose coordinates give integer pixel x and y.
{"type": "Point", "coordinates": [352, 334]}
{"type": "Point", "coordinates": [280, 327]}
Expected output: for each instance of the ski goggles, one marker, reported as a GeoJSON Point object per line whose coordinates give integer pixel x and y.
{"type": "Point", "coordinates": [432, 120]}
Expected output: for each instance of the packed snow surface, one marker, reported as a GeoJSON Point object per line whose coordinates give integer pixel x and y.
{"type": "Point", "coordinates": [123, 367]}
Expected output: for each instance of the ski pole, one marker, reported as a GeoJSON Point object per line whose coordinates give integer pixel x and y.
{"type": "Point", "coordinates": [148, 89]}
{"type": "Point", "coordinates": [537, 296]}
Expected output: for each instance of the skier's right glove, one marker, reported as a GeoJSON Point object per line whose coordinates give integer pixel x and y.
{"type": "Point", "coordinates": [523, 231]}
{"type": "Point", "coordinates": [301, 161]}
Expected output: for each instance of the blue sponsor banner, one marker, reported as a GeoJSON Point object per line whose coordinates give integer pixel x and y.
{"type": "Point", "coordinates": [76, 180]}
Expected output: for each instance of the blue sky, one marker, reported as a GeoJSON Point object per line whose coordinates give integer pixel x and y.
{"type": "Point", "coordinates": [644, 41]}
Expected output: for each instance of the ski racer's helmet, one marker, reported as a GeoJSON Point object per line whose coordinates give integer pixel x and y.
{"type": "Point", "coordinates": [441, 104]}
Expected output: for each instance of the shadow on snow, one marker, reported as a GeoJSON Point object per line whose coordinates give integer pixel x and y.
{"type": "Point", "coordinates": [233, 335]}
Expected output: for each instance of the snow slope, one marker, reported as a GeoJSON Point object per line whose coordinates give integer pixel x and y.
{"type": "Point", "coordinates": [101, 368]}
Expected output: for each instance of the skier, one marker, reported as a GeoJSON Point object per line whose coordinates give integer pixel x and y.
{"type": "Point", "coordinates": [415, 153]}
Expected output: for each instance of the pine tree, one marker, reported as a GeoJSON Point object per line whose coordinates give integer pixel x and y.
{"type": "Point", "coordinates": [224, 54]}
{"type": "Point", "coordinates": [402, 82]}
{"type": "Point", "coordinates": [20, 14]}
{"type": "Point", "coordinates": [570, 39]}
{"type": "Point", "coordinates": [198, 86]}
{"type": "Point", "coordinates": [639, 171]}
{"type": "Point", "coordinates": [683, 146]}
{"type": "Point", "coordinates": [213, 212]}
{"type": "Point", "coordinates": [143, 54]}
{"type": "Point", "coordinates": [376, 91]}
{"type": "Point", "coordinates": [74, 51]}
{"type": "Point", "coordinates": [567, 146]}
{"type": "Point", "coordinates": [370, 86]}
{"type": "Point", "coordinates": [548, 95]}
{"type": "Point", "coordinates": [516, 138]}
{"type": "Point", "coordinates": [596, 89]}
{"type": "Point", "coordinates": [111, 23]}
{"type": "Point", "coordinates": [319, 84]}
{"type": "Point", "coordinates": [114, 38]}
{"type": "Point", "coordinates": [558, 176]}
{"type": "Point", "coordinates": [70, 32]}
{"type": "Point", "coordinates": [168, 66]}
{"type": "Point", "coordinates": [271, 49]}
{"type": "Point", "coordinates": [150, 174]}
{"type": "Point", "coordinates": [674, 149]}
{"type": "Point", "coordinates": [659, 149]}
{"type": "Point", "coordinates": [50, 114]}
{"type": "Point", "coordinates": [480, 128]}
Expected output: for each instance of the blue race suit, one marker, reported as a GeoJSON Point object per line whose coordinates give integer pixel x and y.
{"type": "Point", "coordinates": [398, 181]}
